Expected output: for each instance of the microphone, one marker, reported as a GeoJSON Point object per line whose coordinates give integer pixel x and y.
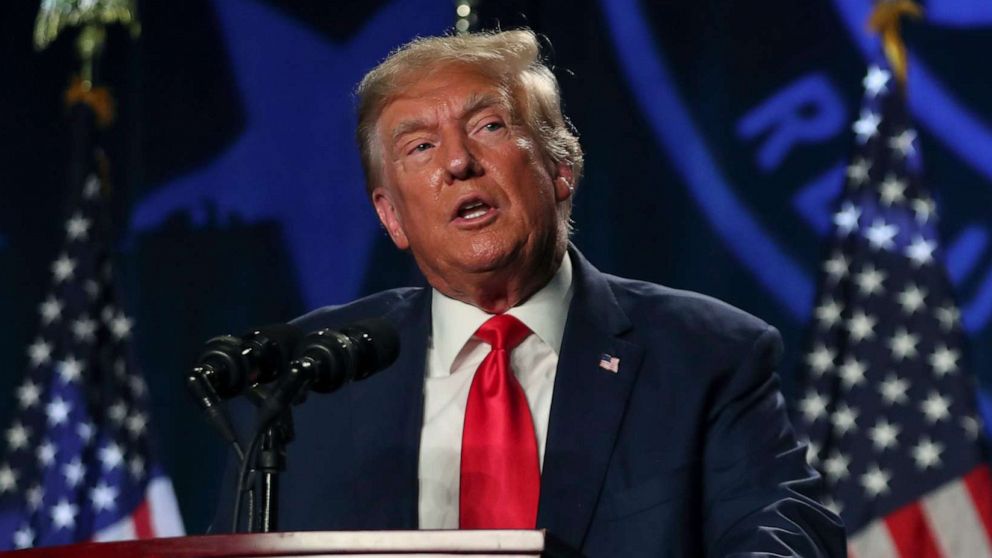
{"type": "Point", "coordinates": [231, 364]}
{"type": "Point", "coordinates": [329, 359]}
{"type": "Point", "coordinates": [228, 365]}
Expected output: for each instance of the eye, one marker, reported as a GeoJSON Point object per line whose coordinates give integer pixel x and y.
{"type": "Point", "coordinates": [421, 147]}
{"type": "Point", "coordinates": [493, 126]}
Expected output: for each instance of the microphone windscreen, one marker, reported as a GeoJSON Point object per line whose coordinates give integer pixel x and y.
{"type": "Point", "coordinates": [380, 341]}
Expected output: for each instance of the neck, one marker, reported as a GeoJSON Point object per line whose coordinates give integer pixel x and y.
{"type": "Point", "coordinates": [497, 291]}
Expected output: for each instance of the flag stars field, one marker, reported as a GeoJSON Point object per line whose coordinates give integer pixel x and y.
{"type": "Point", "coordinates": [875, 481]}
{"type": "Point", "coordinates": [883, 435]}
{"type": "Point", "coordinates": [927, 453]}
{"type": "Point", "coordinates": [911, 299]}
{"type": "Point", "coordinates": [836, 466]}
{"type": "Point", "coordinates": [17, 436]}
{"type": "Point", "coordinates": [64, 514]}
{"type": "Point", "coordinates": [893, 390]}
{"type": "Point", "coordinates": [866, 127]}
{"type": "Point", "coordinates": [936, 407]}
{"type": "Point", "coordinates": [820, 359]}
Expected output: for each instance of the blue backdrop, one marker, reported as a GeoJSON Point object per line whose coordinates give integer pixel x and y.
{"type": "Point", "coordinates": [716, 136]}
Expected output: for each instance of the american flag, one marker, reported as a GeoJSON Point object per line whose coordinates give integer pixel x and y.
{"type": "Point", "coordinates": [885, 399]}
{"type": "Point", "coordinates": [77, 463]}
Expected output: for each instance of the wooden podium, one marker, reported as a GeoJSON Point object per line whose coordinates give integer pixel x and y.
{"type": "Point", "coordinates": [364, 544]}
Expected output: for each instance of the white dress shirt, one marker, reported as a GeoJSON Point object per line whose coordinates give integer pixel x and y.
{"type": "Point", "coordinates": [453, 355]}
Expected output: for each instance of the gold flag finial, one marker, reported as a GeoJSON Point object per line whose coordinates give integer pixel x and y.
{"type": "Point", "coordinates": [886, 20]}
{"type": "Point", "coordinates": [92, 16]}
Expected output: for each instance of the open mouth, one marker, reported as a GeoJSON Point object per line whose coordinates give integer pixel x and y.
{"type": "Point", "coordinates": [473, 210]}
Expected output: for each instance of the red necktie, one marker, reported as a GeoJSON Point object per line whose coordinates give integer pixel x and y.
{"type": "Point", "coordinates": [500, 477]}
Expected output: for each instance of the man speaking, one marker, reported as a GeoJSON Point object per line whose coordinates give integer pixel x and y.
{"type": "Point", "coordinates": [626, 418]}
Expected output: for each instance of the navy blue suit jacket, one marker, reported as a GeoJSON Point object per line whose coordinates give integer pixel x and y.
{"type": "Point", "coordinates": [686, 451]}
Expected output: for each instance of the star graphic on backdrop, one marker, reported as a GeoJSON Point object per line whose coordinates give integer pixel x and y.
{"type": "Point", "coordinates": [296, 135]}
{"type": "Point", "coordinates": [120, 326]}
{"type": "Point", "coordinates": [136, 424]}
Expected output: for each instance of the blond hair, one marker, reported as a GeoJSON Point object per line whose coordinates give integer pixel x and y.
{"type": "Point", "coordinates": [511, 58]}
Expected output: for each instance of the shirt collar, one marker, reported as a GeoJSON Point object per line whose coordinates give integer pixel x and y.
{"type": "Point", "coordinates": [454, 322]}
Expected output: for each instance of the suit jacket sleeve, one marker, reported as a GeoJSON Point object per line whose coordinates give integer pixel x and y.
{"type": "Point", "coordinates": [759, 493]}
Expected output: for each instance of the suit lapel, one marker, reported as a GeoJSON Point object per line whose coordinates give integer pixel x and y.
{"type": "Point", "coordinates": [387, 415]}
{"type": "Point", "coordinates": [587, 406]}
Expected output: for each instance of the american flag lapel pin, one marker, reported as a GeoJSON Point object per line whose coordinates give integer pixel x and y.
{"type": "Point", "coordinates": [609, 363]}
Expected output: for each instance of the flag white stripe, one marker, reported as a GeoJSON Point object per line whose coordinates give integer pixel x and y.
{"type": "Point", "coordinates": [166, 520]}
{"type": "Point", "coordinates": [123, 530]}
{"type": "Point", "coordinates": [874, 541]}
{"type": "Point", "coordinates": [954, 522]}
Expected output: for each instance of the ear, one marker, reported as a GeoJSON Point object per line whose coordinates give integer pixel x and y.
{"type": "Point", "coordinates": [564, 182]}
{"type": "Point", "coordinates": [390, 218]}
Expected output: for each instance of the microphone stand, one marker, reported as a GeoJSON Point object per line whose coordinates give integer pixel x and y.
{"type": "Point", "coordinates": [270, 463]}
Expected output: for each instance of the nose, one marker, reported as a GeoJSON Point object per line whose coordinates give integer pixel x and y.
{"type": "Point", "coordinates": [459, 159]}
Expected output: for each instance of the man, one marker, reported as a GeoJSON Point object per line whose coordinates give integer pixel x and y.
{"type": "Point", "coordinates": [532, 390]}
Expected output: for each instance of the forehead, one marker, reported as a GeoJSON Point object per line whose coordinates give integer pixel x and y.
{"type": "Point", "coordinates": [449, 90]}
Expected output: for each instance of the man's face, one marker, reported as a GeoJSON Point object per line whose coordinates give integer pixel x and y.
{"type": "Point", "coordinates": [463, 186]}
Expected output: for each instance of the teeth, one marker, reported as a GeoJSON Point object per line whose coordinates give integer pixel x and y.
{"type": "Point", "coordinates": [473, 210]}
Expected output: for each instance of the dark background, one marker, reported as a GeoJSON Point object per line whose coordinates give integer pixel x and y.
{"type": "Point", "coordinates": [239, 197]}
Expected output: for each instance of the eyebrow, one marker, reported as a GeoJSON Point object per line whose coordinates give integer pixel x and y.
{"type": "Point", "coordinates": [475, 103]}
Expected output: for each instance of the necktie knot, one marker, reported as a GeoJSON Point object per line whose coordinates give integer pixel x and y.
{"type": "Point", "coordinates": [503, 331]}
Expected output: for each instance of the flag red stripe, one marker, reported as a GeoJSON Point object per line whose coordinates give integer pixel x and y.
{"type": "Point", "coordinates": [142, 518]}
{"type": "Point", "coordinates": [979, 485]}
{"type": "Point", "coordinates": [911, 533]}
